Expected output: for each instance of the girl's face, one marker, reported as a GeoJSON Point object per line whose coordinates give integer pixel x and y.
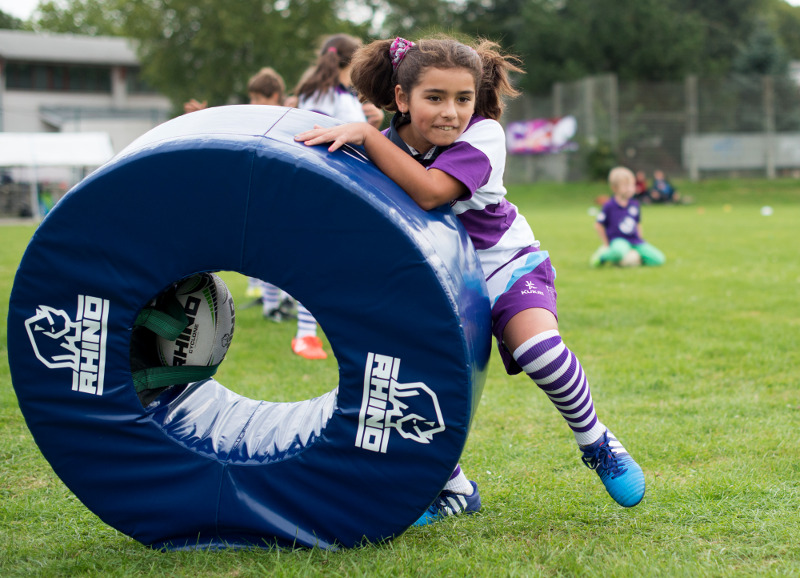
{"type": "Point", "coordinates": [440, 106]}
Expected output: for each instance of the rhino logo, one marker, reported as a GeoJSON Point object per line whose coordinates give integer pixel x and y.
{"type": "Point", "coordinates": [80, 345]}
{"type": "Point", "coordinates": [55, 338]}
{"type": "Point", "coordinates": [423, 421]}
{"type": "Point", "coordinates": [411, 409]}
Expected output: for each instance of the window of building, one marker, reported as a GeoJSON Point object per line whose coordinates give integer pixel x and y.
{"type": "Point", "coordinates": [57, 77]}
{"type": "Point", "coordinates": [136, 84]}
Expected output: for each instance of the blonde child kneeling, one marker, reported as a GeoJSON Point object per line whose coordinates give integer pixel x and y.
{"type": "Point", "coordinates": [619, 226]}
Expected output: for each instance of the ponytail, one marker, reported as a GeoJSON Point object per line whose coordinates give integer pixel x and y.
{"type": "Point", "coordinates": [373, 74]}
{"type": "Point", "coordinates": [495, 84]}
{"type": "Point", "coordinates": [335, 54]}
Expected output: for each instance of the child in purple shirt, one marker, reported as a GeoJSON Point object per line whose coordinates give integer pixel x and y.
{"type": "Point", "coordinates": [619, 228]}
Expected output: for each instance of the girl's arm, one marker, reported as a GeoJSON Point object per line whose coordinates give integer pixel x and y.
{"type": "Point", "coordinates": [428, 188]}
{"type": "Point", "coordinates": [601, 232]}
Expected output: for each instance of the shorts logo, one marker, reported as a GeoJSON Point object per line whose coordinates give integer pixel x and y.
{"type": "Point", "coordinates": [411, 409]}
{"type": "Point", "coordinates": [80, 345]}
{"type": "Point", "coordinates": [531, 289]}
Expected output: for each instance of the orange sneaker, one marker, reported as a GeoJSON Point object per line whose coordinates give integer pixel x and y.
{"type": "Point", "coordinates": [309, 347]}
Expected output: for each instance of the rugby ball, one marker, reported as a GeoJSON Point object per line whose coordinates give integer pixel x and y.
{"type": "Point", "coordinates": [209, 308]}
{"type": "Point", "coordinates": [631, 259]}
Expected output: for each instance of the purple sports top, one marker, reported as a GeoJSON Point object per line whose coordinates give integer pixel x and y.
{"type": "Point", "coordinates": [477, 159]}
{"type": "Point", "coordinates": [621, 222]}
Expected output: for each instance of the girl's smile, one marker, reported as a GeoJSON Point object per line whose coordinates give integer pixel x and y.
{"type": "Point", "coordinates": [440, 105]}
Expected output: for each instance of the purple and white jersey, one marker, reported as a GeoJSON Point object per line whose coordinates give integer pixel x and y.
{"type": "Point", "coordinates": [338, 103]}
{"type": "Point", "coordinates": [477, 159]}
{"type": "Point", "coordinates": [621, 222]}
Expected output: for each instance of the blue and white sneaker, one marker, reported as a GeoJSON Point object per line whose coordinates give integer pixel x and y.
{"type": "Point", "coordinates": [451, 504]}
{"type": "Point", "coordinates": [620, 474]}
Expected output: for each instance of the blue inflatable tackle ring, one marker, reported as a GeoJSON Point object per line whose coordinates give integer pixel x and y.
{"type": "Point", "coordinates": [398, 291]}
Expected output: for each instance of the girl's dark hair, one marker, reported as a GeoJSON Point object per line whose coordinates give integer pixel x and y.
{"type": "Point", "coordinates": [374, 77]}
{"type": "Point", "coordinates": [336, 53]}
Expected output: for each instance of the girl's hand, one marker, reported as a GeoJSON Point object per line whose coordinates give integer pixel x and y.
{"type": "Point", "coordinates": [194, 105]}
{"type": "Point", "coordinates": [351, 133]}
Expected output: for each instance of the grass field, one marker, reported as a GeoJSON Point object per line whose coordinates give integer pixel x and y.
{"type": "Point", "coordinates": [693, 365]}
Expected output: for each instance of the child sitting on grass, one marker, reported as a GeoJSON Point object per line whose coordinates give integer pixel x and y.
{"type": "Point", "coordinates": [663, 191]}
{"type": "Point", "coordinates": [618, 225]}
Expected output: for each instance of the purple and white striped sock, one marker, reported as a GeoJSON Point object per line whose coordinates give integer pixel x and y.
{"type": "Point", "coordinates": [306, 324]}
{"type": "Point", "coordinates": [270, 297]}
{"type": "Point", "coordinates": [458, 483]}
{"type": "Point", "coordinates": [557, 371]}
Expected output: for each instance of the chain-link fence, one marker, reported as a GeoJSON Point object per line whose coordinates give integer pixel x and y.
{"type": "Point", "coordinates": [732, 126]}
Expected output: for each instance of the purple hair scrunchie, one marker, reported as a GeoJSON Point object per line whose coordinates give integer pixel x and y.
{"type": "Point", "coordinates": [398, 50]}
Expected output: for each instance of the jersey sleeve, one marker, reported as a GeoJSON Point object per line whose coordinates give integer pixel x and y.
{"type": "Point", "coordinates": [472, 157]}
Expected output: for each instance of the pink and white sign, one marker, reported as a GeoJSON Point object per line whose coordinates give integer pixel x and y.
{"type": "Point", "coordinates": [541, 136]}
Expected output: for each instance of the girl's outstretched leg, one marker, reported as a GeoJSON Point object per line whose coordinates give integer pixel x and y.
{"type": "Point", "coordinates": [556, 370]}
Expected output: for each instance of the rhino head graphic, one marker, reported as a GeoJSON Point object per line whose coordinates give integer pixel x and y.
{"type": "Point", "coordinates": [54, 337]}
{"type": "Point", "coordinates": [414, 412]}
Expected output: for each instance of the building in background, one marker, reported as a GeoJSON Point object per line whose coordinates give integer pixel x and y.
{"type": "Point", "coordinates": [70, 84]}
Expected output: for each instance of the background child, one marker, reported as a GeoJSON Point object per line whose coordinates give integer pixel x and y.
{"type": "Point", "coordinates": [445, 146]}
{"type": "Point", "coordinates": [266, 87]}
{"type": "Point", "coordinates": [642, 193]}
{"type": "Point", "coordinates": [618, 225]}
{"type": "Point", "coordinates": [326, 87]}
{"type": "Point", "coordinates": [662, 190]}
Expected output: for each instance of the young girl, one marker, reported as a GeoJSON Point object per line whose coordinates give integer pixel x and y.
{"type": "Point", "coordinates": [326, 87]}
{"type": "Point", "coordinates": [444, 145]}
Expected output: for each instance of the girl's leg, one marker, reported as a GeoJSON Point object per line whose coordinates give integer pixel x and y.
{"type": "Point", "coordinates": [253, 287]}
{"type": "Point", "coordinates": [614, 253]}
{"type": "Point", "coordinates": [459, 496]}
{"type": "Point", "coordinates": [270, 301]}
{"type": "Point", "coordinates": [306, 343]}
{"type": "Point", "coordinates": [532, 337]}
{"type": "Point", "coordinates": [306, 324]}
{"type": "Point", "coordinates": [458, 482]}
{"type": "Point", "coordinates": [650, 255]}
{"type": "Point", "coordinates": [617, 249]}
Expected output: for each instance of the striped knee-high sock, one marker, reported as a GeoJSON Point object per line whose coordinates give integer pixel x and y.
{"type": "Point", "coordinates": [306, 324]}
{"type": "Point", "coordinates": [556, 370]}
{"type": "Point", "coordinates": [270, 297]}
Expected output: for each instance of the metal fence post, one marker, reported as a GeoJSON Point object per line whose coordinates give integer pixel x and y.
{"type": "Point", "coordinates": [613, 110]}
{"type": "Point", "coordinates": [588, 110]}
{"type": "Point", "coordinates": [690, 84]}
{"type": "Point", "coordinates": [768, 84]}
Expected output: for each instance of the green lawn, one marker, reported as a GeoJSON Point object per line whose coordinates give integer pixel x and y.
{"type": "Point", "coordinates": [693, 365]}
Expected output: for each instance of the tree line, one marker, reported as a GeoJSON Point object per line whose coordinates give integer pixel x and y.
{"type": "Point", "coordinates": [209, 48]}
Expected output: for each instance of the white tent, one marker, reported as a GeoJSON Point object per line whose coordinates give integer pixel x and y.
{"type": "Point", "coordinates": [53, 149]}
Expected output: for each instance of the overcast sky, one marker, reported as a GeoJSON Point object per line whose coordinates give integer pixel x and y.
{"type": "Point", "coordinates": [23, 8]}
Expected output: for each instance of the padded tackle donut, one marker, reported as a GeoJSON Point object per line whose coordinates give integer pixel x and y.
{"type": "Point", "coordinates": [398, 291]}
